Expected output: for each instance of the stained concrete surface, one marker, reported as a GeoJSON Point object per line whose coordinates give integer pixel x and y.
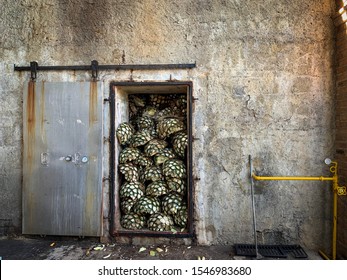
{"type": "Point", "coordinates": [22, 248]}
{"type": "Point", "coordinates": [263, 86]}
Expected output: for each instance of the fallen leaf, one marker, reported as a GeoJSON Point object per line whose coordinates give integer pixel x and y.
{"type": "Point", "coordinates": [99, 248]}
{"type": "Point", "coordinates": [142, 249]}
{"type": "Point", "coordinates": [152, 253]}
{"type": "Point", "coordinates": [189, 247]}
{"type": "Point", "coordinates": [52, 244]}
{"type": "Point", "coordinates": [173, 231]}
{"type": "Point", "coordinates": [88, 252]}
{"type": "Point", "coordinates": [106, 257]}
{"type": "Point", "coordinates": [159, 250]}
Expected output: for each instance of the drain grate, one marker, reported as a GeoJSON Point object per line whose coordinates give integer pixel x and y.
{"type": "Point", "coordinates": [271, 251]}
{"type": "Point", "coordinates": [295, 250]}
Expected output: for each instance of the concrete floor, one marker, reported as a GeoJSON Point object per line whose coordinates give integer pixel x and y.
{"type": "Point", "coordinates": [23, 248]}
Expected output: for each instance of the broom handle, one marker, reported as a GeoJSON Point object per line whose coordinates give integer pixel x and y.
{"type": "Point", "coordinates": [253, 207]}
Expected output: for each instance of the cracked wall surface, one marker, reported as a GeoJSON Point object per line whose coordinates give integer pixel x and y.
{"type": "Point", "coordinates": [264, 83]}
{"type": "Point", "coordinates": [340, 142]}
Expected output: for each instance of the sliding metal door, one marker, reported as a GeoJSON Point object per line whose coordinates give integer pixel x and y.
{"type": "Point", "coordinates": [62, 159]}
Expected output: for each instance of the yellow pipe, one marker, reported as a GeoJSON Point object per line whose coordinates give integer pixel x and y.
{"type": "Point", "coordinates": [334, 241]}
{"type": "Point", "coordinates": [293, 178]}
{"type": "Point", "coordinates": [335, 226]}
{"type": "Point", "coordinates": [335, 219]}
{"type": "Point", "coordinates": [333, 169]}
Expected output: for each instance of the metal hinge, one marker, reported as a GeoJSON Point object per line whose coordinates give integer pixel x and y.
{"type": "Point", "coordinates": [33, 70]}
{"type": "Point", "coordinates": [106, 179]}
{"type": "Point", "coordinates": [95, 66]}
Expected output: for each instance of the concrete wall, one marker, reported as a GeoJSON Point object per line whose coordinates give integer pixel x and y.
{"type": "Point", "coordinates": [264, 83]}
{"type": "Point", "coordinates": [340, 21]}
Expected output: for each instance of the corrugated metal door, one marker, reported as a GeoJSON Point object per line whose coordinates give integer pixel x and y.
{"type": "Point", "coordinates": [62, 160]}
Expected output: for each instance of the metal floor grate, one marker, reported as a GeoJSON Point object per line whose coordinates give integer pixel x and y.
{"type": "Point", "coordinates": [271, 251]}
{"type": "Point", "coordinates": [297, 251]}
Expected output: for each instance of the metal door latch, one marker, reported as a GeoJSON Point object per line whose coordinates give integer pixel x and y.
{"type": "Point", "coordinates": [77, 159]}
{"type": "Point", "coordinates": [44, 159]}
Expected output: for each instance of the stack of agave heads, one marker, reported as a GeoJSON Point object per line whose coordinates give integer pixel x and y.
{"type": "Point", "coordinates": [152, 163]}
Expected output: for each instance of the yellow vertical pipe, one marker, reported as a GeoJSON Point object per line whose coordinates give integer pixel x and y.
{"type": "Point", "coordinates": [335, 218]}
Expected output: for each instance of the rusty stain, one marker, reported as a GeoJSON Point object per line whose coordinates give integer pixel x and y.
{"type": "Point", "coordinates": [93, 102]}
{"type": "Point", "coordinates": [31, 119]}
{"type": "Point", "coordinates": [42, 113]}
{"type": "Point", "coordinates": [92, 219]}
{"type": "Point", "coordinates": [89, 203]}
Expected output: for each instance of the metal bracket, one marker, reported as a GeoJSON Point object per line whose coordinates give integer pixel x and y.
{"type": "Point", "coordinates": [341, 191]}
{"type": "Point", "coordinates": [106, 179]}
{"type": "Point", "coordinates": [94, 66]}
{"type": "Point", "coordinates": [33, 70]}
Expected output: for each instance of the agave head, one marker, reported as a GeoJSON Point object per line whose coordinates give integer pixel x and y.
{"type": "Point", "coordinates": [171, 203]}
{"type": "Point", "coordinates": [129, 154]}
{"type": "Point", "coordinates": [174, 168]}
{"type": "Point", "coordinates": [124, 133]}
{"type": "Point", "coordinates": [169, 126]}
{"type": "Point", "coordinates": [147, 205]}
{"type": "Point", "coordinates": [132, 190]}
{"type": "Point", "coordinates": [133, 221]}
{"type": "Point", "coordinates": [156, 189]}
{"type": "Point", "coordinates": [160, 222]}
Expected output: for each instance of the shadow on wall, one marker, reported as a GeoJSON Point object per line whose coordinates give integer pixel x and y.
{"type": "Point", "coordinates": [86, 27]}
{"type": "Point", "coordinates": [7, 227]}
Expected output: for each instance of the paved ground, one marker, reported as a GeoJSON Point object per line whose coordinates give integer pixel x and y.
{"type": "Point", "coordinates": [22, 248]}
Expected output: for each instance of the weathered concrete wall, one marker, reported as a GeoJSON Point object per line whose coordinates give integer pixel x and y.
{"type": "Point", "coordinates": [340, 21]}
{"type": "Point", "coordinates": [264, 83]}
